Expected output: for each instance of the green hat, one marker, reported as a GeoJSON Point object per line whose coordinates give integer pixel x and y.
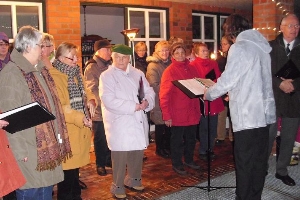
{"type": "Point", "coordinates": [121, 48]}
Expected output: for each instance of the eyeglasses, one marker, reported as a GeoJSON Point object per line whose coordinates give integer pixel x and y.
{"type": "Point", "coordinates": [291, 25]}
{"type": "Point", "coordinates": [75, 57]}
{"type": "Point", "coordinates": [3, 45]}
{"type": "Point", "coordinates": [40, 45]}
{"type": "Point", "coordinates": [50, 45]}
{"type": "Point", "coordinates": [167, 51]}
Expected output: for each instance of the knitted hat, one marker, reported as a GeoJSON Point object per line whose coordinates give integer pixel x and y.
{"type": "Point", "coordinates": [101, 44]}
{"type": "Point", "coordinates": [4, 37]}
{"type": "Point", "coordinates": [122, 49]}
{"type": "Point", "coordinates": [177, 46]}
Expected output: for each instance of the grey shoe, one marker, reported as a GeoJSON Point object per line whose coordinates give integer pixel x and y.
{"type": "Point", "coordinates": [192, 165]}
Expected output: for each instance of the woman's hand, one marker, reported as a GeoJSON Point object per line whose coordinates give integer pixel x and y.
{"type": "Point", "coordinates": [168, 123]}
{"type": "Point", "coordinates": [91, 104]}
{"type": "Point", "coordinates": [87, 122]}
{"type": "Point", "coordinates": [3, 123]}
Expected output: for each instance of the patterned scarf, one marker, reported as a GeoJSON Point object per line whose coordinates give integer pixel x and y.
{"type": "Point", "coordinates": [50, 153]}
{"type": "Point", "coordinates": [76, 91]}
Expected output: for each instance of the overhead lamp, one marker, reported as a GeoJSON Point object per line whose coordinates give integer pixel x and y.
{"type": "Point", "coordinates": [131, 33]}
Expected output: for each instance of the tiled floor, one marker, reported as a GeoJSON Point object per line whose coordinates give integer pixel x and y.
{"type": "Point", "coordinates": [158, 177]}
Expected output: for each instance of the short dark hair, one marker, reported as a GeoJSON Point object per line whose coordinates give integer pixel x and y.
{"type": "Point", "coordinates": [234, 25]}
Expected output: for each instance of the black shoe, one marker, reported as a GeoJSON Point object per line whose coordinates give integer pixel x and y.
{"type": "Point", "coordinates": [179, 170]}
{"type": "Point", "coordinates": [108, 164]}
{"type": "Point", "coordinates": [204, 156]}
{"type": "Point", "coordinates": [162, 153]}
{"type": "Point", "coordinates": [286, 179]}
{"type": "Point", "coordinates": [101, 171]}
{"type": "Point", "coordinates": [82, 185]}
{"type": "Point", "coordinates": [218, 142]}
{"type": "Point", "coordinates": [192, 165]}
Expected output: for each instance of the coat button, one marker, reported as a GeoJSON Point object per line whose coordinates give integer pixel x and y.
{"type": "Point", "coordinates": [0, 162]}
{"type": "Point", "coordinates": [7, 146]}
{"type": "Point", "coordinates": [141, 122]}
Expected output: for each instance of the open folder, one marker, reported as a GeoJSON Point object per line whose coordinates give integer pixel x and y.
{"type": "Point", "coordinates": [194, 87]}
{"type": "Point", "coordinates": [25, 117]}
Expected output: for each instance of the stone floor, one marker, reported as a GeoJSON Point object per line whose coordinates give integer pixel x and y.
{"type": "Point", "coordinates": [158, 177]}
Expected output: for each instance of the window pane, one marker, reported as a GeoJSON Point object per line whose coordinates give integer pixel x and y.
{"type": "Point", "coordinates": [5, 20]}
{"type": "Point", "coordinates": [27, 15]}
{"type": "Point", "coordinates": [209, 27]}
{"type": "Point", "coordinates": [152, 46]}
{"type": "Point", "coordinates": [196, 20]}
{"type": "Point", "coordinates": [154, 21]}
{"type": "Point", "coordinates": [210, 46]}
{"type": "Point", "coordinates": [137, 20]}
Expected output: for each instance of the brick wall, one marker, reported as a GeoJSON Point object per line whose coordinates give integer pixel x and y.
{"type": "Point", "coordinates": [63, 17]}
{"type": "Point", "coordinates": [267, 15]}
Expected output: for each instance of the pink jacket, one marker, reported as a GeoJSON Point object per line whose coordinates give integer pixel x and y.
{"type": "Point", "coordinates": [174, 103]}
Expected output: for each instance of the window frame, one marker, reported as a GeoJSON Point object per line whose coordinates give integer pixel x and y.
{"type": "Point", "coordinates": [14, 4]}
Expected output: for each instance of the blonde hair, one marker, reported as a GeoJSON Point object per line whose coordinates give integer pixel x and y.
{"type": "Point", "coordinates": [140, 45]}
{"type": "Point", "coordinates": [64, 48]}
{"type": "Point", "coordinates": [161, 44]}
{"type": "Point", "coordinates": [48, 38]}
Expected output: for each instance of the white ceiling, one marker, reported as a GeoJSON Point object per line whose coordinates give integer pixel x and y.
{"type": "Point", "coordinates": [236, 4]}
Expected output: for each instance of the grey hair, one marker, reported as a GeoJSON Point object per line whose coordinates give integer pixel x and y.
{"type": "Point", "coordinates": [27, 37]}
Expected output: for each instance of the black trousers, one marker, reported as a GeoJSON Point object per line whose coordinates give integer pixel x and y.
{"type": "Point", "coordinates": [251, 160]}
{"type": "Point", "coordinates": [162, 137]}
{"type": "Point", "coordinates": [69, 188]}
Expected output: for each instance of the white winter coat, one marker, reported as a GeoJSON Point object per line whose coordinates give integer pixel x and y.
{"type": "Point", "coordinates": [247, 79]}
{"type": "Point", "coordinates": [125, 129]}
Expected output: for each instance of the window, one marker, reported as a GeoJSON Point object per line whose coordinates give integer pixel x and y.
{"type": "Point", "coordinates": [14, 15]}
{"type": "Point", "coordinates": [205, 30]}
{"type": "Point", "coordinates": [152, 24]}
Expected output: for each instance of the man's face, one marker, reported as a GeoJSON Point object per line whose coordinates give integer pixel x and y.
{"type": "Point", "coordinates": [3, 48]}
{"type": "Point", "coordinates": [105, 53]}
{"type": "Point", "coordinates": [121, 61]}
{"type": "Point", "coordinates": [290, 28]}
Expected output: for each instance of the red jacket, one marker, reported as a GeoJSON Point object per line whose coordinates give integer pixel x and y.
{"type": "Point", "coordinates": [11, 177]}
{"type": "Point", "coordinates": [174, 103]}
{"type": "Point", "coordinates": [203, 67]}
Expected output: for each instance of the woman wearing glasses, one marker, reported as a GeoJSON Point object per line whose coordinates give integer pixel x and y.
{"type": "Point", "coordinates": [4, 45]}
{"type": "Point", "coordinates": [37, 150]}
{"type": "Point", "coordinates": [71, 91]}
{"type": "Point", "coordinates": [48, 50]}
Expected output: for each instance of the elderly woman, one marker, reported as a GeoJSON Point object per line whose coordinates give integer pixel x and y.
{"type": "Point", "coordinates": [39, 155]}
{"type": "Point", "coordinates": [71, 91]}
{"type": "Point", "coordinates": [125, 98]}
{"type": "Point", "coordinates": [158, 62]}
{"type": "Point", "coordinates": [140, 55]}
{"type": "Point", "coordinates": [48, 50]}
{"type": "Point", "coordinates": [203, 65]}
{"type": "Point", "coordinates": [179, 112]}
{"type": "Point", "coordinates": [4, 46]}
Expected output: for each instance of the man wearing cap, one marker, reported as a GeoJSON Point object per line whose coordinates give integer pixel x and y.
{"type": "Point", "coordinates": [125, 98]}
{"type": "Point", "coordinates": [94, 67]}
{"type": "Point", "coordinates": [4, 45]}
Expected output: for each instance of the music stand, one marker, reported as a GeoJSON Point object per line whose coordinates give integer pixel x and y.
{"type": "Point", "coordinates": [208, 188]}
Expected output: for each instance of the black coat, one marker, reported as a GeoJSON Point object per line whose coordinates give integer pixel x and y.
{"type": "Point", "coordinates": [287, 105]}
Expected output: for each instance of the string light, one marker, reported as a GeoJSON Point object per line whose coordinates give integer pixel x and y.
{"type": "Point", "coordinates": [284, 12]}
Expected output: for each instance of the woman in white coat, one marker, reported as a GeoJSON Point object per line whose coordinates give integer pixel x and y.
{"type": "Point", "coordinates": [125, 98]}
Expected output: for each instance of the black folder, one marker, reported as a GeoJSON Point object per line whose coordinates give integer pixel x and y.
{"type": "Point", "coordinates": [211, 75]}
{"type": "Point", "coordinates": [288, 71]}
{"type": "Point", "coordinates": [25, 117]}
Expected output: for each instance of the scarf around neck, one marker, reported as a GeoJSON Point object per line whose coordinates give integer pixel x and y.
{"type": "Point", "coordinates": [50, 153]}
{"type": "Point", "coordinates": [76, 90]}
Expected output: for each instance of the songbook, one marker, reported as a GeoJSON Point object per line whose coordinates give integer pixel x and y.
{"type": "Point", "coordinates": [288, 71]}
{"type": "Point", "coordinates": [194, 87]}
{"type": "Point", "coordinates": [25, 117]}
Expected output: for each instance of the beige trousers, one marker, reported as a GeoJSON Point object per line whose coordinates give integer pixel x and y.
{"type": "Point", "coordinates": [221, 129]}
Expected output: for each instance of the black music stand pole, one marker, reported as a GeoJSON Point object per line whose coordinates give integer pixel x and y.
{"type": "Point", "coordinates": [208, 188]}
